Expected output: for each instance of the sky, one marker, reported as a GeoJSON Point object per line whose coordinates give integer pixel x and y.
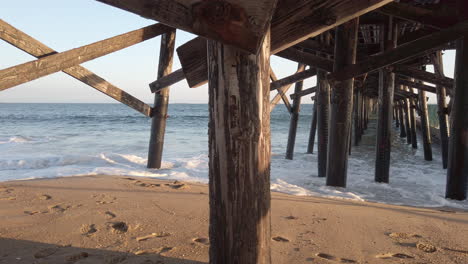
{"type": "Point", "coordinates": [64, 25]}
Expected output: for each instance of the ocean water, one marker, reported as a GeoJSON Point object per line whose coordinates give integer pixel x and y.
{"type": "Point", "coordinates": [52, 140]}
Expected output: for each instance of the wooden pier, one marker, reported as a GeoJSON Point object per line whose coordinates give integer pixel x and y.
{"type": "Point", "coordinates": [369, 58]}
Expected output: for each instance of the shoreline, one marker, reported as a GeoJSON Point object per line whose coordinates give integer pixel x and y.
{"type": "Point", "coordinates": [118, 219]}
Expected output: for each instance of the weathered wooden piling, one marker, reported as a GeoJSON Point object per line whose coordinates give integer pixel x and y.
{"type": "Point", "coordinates": [414, 137]}
{"type": "Point", "coordinates": [239, 154]}
{"type": "Point", "coordinates": [396, 115]}
{"type": "Point", "coordinates": [384, 122]}
{"type": "Point", "coordinates": [457, 171]}
{"type": "Point", "coordinates": [161, 102]}
{"type": "Point", "coordinates": [402, 119]}
{"type": "Point", "coordinates": [356, 117]}
{"type": "Point", "coordinates": [323, 116]}
{"type": "Point", "coordinates": [294, 118]}
{"type": "Point", "coordinates": [425, 127]}
{"type": "Point", "coordinates": [341, 105]}
{"type": "Point", "coordinates": [313, 130]}
{"type": "Point", "coordinates": [407, 110]}
{"type": "Point", "coordinates": [442, 109]}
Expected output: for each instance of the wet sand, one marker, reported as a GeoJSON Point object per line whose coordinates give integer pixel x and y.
{"type": "Point", "coordinates": [114, 219]}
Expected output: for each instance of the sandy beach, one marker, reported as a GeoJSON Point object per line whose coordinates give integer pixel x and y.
{"type": "Point", "coordinates": [114, 219]}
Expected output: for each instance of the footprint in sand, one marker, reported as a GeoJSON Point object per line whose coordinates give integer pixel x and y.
{"type": "Point", "coordinates": [43, 253]}
{"type": "Point", "coordinates": [280, 239]}
{"type": "Point", "coordinates": [398, 235]}
{"type": "Point", "coordinates": [428, 248]}
{"type": "Point", "coordinates": [109, 215]}
{"type": "Point", "coordinates": [119, 227]}
{"type": "Point", "coordinates": [177, 185]}
{"type": "Point", "coordinates": [44, 197]}
{"type": "Point", "coordinates": [325, 256]}
{"type": "Point", "coordinates": [58, 208]}
{"type": "Point", "coordinates": [394, 255]}
{"type": "Point", "coordinates": [291, 217]}
{"type": "Point", "coordinates": [88, 230]}
{"type": "Point", "coordinates": [202, 240]}
{"type": "Point", "coordinates": [31, 212]}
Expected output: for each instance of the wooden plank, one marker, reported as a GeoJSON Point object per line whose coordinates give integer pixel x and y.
{"type": "Point", "coordinates": [315, 45]}
{"type": "Point", "coordinates": [297, 77]}
{"type": "Point", "coordinates": [239, 153]}
{"type": "Point", "coordinates": [304, 92]}
{"type": "Point", "coordinates": [192, 57]}
{"type": "Point", "coordinates": [306, 58]}
{"type": "Point", "coordinates": [401, 53]}
{"type": "Point", "coordinates": [241, 23]}
{"type": "Point", "coordinates": [296, 21]}
{"type": "Point", "coordinates": [167, 80]}
{"type": "Point", "coordinates": [436, 18]}
{"type": "Point", "coordinates": [423, 76]}
{"type": "Point", "coordinates": [346, 39]}
{"type": "Point", "coordinates": [457, 172]}
{"type": "Point", "coordinates": [416, 85]}
{"type": "Point", "coordinates": [57, 62]}
{"type": "Point", "coordinates": [294, 118]}
{"type": "Point", "coordinates": [37, 49]}
{"type": "Point", "coordinates": [161, 102]}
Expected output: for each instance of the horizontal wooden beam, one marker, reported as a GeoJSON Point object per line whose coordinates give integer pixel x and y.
{"type": "Point", "coordinates": [167, 80]}
{"type": "Point", "coordinates": [295, 21]}
{"type": "Point", "coordinates": [401, 53]}
{"type": "Point", "coordinates": [57, 62]}
{"type": "Point", "coordinates": [240, 23]}
{"type": "Point", "coordinates": [316, 46]}
{"type": "Point", "coordinates": [415, 85]}
{"type": "Point", "coordinates": [282, 92]}
{"type": "Point", "coordinates": [304, 92]}
{"type": "Point", "coordinates": [37, 49]}
{"type": "Point", "coordinates": [424, 76]}
{"type": "Point", "coordinates": [307, 59]}
{"type": "Point", "coordinates": [300, 76]}
{"type": "Point", "coordinates": [430, 17]}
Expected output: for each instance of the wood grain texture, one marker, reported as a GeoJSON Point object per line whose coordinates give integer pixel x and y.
{"type": "Point", "coordinates": [295, 21]}
{"type": "Point", "coordinates": [57, 62]}
{"type": "Point", "coordinates": [341, 105]}
{"type": "Point", "coordinates": [241, 23]}
{"type": "Point", "coordinates": [37, 49]}
{"type": "Point", "coordinates": [239, 154]}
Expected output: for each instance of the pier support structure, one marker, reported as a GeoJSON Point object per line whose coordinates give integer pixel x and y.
{"type": "Point", "coordinates": [457, 171]}
{"type": "Point", "coordinates": [341, 105]}
{"type": "Point", "coordinates": [313, 129]}
{"type": "Point", "coordinates": [294, 118]}
{"type": "Point", "coordinates": [442, 108]}
{"type": "Point", "coordinates": [161, 101]}
{"type": "Point", "coordinates": [239, 154]}
{"type": "Point", "coordinates": [425, 127]}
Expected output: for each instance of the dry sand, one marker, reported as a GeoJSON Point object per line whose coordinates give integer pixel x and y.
{"type": "Point", "coordinates": [104, 219]}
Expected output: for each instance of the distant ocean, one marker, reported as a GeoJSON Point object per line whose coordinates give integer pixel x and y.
{"type": "Point", "coordinates": [51, 140]}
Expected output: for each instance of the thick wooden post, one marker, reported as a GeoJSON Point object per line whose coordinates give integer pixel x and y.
{"type": "Point", "coordinates": [426, 132]}
{"type": "Point", "coordinates": [341, 105]}
{"type": "Point", "coordinates": [396, 115]}
{"type": "Point", "coordinates": [161, 101]}
{"type": "Point", "coordinates": [406, 107]}
{"type": "Point", "coordinates": [384, 124]}
{"type": "Point", "coordinates": [414, 137]}
{"type": "Point", "coordinates": [402, 119]}
{"type": "Point", "coordinates": [294, 118]}
{"type": "Point", "coordinates": [313, 130]}
{"type": "Point", "coordinates": [356, 113]}
{"type": "Point", "coordinates": [323, 116]}
{"type": "Point", "coordinates": [457, 172]}
{"type": "Point", "coordinates": [239, 154]}
{"type": "Point", "coordinates": [442, 109]}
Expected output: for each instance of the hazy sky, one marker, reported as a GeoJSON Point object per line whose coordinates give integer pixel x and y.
{"type": "Point", "coordinates": [63, 25]}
